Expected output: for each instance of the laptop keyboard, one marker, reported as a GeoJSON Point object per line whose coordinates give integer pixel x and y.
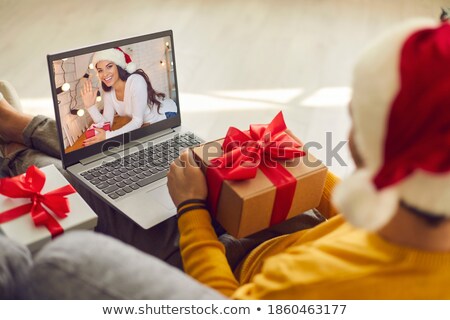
{"type": "Point", "coordinates": [122, 176]}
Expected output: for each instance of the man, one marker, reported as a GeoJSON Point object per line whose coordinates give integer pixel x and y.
{"type": "Point", "coordinates": [392, 240]}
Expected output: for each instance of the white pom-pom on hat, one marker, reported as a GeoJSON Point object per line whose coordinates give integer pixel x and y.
{"type": "Point", "coordinates": [131, 67]}
{"type": "Point", "coordinates": [362, 204]}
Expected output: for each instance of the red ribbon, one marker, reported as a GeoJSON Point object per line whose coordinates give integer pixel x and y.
{"type": "Point", "coordinates": [30, 185]}
{"type": "Point", "coordinates": [260, 147]}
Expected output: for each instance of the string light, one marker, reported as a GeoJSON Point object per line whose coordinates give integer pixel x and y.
{"type": "Point", "coordinates": [162, 62]}
{"type": "Point", "coordinates": [99, 97]}
{"type": "Point", "coordinates": [65, 86]}
{"type": "Point", "coordinates": [77, 112]}
{"type": "Point", "coordinates": [91, 66]}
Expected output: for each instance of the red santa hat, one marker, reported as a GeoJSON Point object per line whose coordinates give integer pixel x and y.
{"type": "Point", "coordinates": [116, 55]}
{"type": "Point", "coordinates": [401, 119]}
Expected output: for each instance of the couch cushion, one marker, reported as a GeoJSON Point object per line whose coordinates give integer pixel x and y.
{"type": "Point", "coordinates": [88, 265]}
{"type": "Point", "coordinates": [15, 264]}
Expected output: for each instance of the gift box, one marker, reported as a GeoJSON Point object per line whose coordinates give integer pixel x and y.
{"type": "Point", "coordinates": [259, 178]}
{"type": "Point", "coordinates": [91, 131]}
{"type": "Point", "coordinates": [40, 205]}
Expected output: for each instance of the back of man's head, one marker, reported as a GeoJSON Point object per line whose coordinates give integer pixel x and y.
{"type": "Point", "coordinates": [401, 119]}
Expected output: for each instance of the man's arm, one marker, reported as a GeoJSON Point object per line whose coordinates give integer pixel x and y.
{"type": "Point", "coordinates": [203, 254]}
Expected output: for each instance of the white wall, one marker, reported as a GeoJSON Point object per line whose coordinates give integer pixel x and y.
{"type": "Point", "coordinates": [147, 56]}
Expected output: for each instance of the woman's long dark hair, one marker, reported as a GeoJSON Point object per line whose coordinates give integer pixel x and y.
{"type": "Point", "coordinates": [152, 94]}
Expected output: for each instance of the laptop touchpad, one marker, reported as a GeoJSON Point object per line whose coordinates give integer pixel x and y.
{"type": "Point", "coordinates": [162, 196]}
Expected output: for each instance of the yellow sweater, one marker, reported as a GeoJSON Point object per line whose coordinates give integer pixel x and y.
{"type": "Point", "coordinates": [330, 261]}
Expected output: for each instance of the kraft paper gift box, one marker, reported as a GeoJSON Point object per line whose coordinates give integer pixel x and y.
{"type": "Point", "coordinates": [246, 206]}
{"type": "Point", "coordinates": [22, 229]}
{"type": "Point", "coordinates": [91, 131]}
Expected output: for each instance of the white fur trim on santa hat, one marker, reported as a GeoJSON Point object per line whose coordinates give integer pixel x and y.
{"type": "Point", "coordinates": [376, 83]}
{"type": "Point", "coordinates": [362, 205]}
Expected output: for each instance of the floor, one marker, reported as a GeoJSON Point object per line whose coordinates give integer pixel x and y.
{"type": "Point", "coordinates": [239, 62]}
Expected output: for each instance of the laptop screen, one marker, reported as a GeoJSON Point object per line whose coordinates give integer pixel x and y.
{"type": "Point", "coordinates": [110, 94]}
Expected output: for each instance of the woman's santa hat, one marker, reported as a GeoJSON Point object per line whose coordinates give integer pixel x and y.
{"type": "Point", "coordinates": [401, 118]}
{"type": "Point", "coordinates": [116, 55]}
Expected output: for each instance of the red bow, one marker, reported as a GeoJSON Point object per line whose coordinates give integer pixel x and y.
{"type": "Point", "coordinates": [30, 185]}
{"type": "Point", "coordinates": [260, 147]}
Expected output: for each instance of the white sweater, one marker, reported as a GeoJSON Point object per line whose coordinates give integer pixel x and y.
{"type": "Point", "coordinates": [134, 105]}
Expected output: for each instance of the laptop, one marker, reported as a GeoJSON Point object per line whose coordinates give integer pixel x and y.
{"type": "Point", "coordinates": [127, 170]}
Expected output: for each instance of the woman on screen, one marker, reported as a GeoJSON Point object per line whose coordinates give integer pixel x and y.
{"type": "Point", "coordinates": [127, 92]}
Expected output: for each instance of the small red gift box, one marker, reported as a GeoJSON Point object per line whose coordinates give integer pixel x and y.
{"type": "Point", "coordinates": [259, 178]}
{"type": "Point", "coordinates": [39, 205]}
{"type": "Point", "coordinates": [91, 131]}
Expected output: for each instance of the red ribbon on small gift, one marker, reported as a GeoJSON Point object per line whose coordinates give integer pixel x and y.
{"type": "Point", "coordinates": [260, 147]}
{"type": "Point", "coordinates": [29, 185]}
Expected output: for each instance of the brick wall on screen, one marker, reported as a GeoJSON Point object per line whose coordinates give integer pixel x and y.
{"type": "Point", "coordinates": [73, 126]}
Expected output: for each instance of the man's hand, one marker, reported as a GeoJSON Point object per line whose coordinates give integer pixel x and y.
{"type": "Point", "coordinates": [185, 179]}
{"type": "Point", "coordinates": [100, 136]}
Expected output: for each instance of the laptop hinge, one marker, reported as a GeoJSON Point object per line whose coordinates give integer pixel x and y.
{"type": "Point", "coordinates": [129, 145]}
